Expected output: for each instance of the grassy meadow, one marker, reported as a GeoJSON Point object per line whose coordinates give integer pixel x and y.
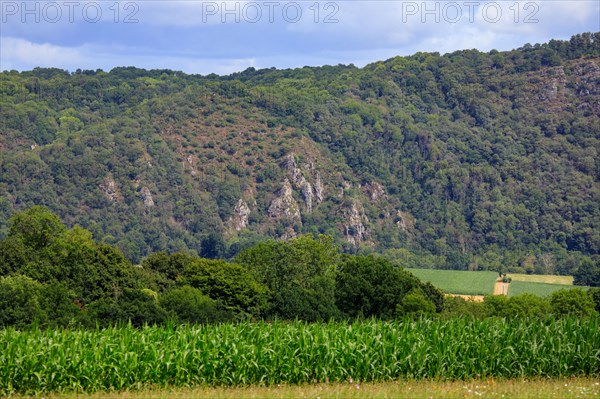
{"type": "Point", "coordinates": [542, 278]}
{"type": "Point", "coordinates": [458, 281]}
{"type": "Point", "coordinates": [540, 285]}
{"type": "Point", "coordinates": [268, 354]}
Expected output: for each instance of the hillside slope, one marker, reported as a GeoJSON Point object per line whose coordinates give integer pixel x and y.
{"type": "Point", "coordinates": [466, 161]}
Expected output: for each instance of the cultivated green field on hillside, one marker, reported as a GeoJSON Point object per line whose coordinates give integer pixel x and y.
{"type": "Point", "coordinates": [542, 278]}
{"type": "Point", "coordinates": [539, 289]}
{"type": "Point", "coordinates": [459, 282]}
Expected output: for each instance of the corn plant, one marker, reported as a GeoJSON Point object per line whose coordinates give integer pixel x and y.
{"type": "Point", "coordinates": [40, 361]}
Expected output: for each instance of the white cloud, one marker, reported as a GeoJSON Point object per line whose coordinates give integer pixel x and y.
{"type": "Point", "coordinates": [24, 55]}
{"type": "Point", "coordinates": [175, 35]}
{"type": "Point", "coordinates": [20, 53]}
{"type": "Point", "coordinates": [188, 14]}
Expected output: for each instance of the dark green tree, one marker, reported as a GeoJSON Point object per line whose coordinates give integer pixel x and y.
{"type": "Point", "coordinates": [588, 272]}
{"type": "Point", "coordinates": [573, 302]}
{"type": "Point", "coordinates": [374, 287]}
{"type": "Point", "coordinates": [36, 227]}
{"type": "Point", "coordinates": [188, 305]}
{"type": "Point", "coordinates": [231, 284]}
{"type": "Point", "coordinates": [20, 302]}
{"type": "Point", "coordinates": [300, 273]}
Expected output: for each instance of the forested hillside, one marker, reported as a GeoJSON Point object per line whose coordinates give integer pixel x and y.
{"type": "Point", "coordinates": [468, 160]}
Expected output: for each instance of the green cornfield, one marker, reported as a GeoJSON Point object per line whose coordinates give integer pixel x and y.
{"type": "Point", "coordinates": [271, 353]}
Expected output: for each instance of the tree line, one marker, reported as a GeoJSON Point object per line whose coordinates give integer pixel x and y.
{"type": "Point", "coordinates": [58, 277]}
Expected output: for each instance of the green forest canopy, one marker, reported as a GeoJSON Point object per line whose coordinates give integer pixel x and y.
{"type": "Point", "coordinates": [468, 160]}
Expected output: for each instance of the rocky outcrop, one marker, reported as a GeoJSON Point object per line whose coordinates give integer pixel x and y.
{"type": "Point", "coordinates": [346, 185]}
{"type": "Point", "coordinates": [319, 189]}
{"type": "Point", "coordinates": [554, 83]}
{"type": "Point", "coordinates": [147, 197]}
{"type": "Point", "coordinates": [189, 163]}
{"type": "Point", "coordinates": [588, 74]}
{"type": "Point", "coordinates": [555, 87]}
{"type": "Point", "coordinates": [110, 189]}
{"type": "Point", "coordinates": [307, 195]}
{"type": "Point", "coordinates": [308, 192]}
{"type": "Point", "coordinates": [294, 172]}
{"type": "Point", "coordinates": [374, 191]}
{"type": "Point", "coordinates": [284, 205]}
{"type": "Point", "coordinates": [355, 231]}
{"type": "Point", "coordinates": [239, 220]}
{"type": "Point", "coordinates": [405, 221]}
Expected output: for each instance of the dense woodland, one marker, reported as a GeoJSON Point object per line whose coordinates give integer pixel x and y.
{"type": "Point", "coordinates": [468, 160]}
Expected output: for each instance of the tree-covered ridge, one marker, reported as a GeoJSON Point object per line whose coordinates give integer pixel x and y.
{"type": "Point", "coordinates": [466, 160]}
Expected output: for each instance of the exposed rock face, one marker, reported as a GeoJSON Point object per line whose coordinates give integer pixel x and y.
{"type": "Point", "coordinates": [284, 205]}
{"type": "Point", "coordinates": [550, 90]}
{"type": "Point", "coordinates": [189, 163]}
{"type": "Point", "coordinates": [375, 191]}
{"type": "Point", "coordinates": [319, 189]}
{"type": "Point", "coordinates": [554, 88]}
{"type": "Point", "coordinates": [239, 219]}
{"type": "Point", "coordinates": [292, 169]}
{"type": "Point", "coordinates": [147, 197]}
{"type": "Point", "coordinates": [405, 221]}
{"type": "Point", "coordinates": [307, 195]}
{"type": "Point", "coordinates": [308, 192]}
{"type": "Point", "coordinates": [110, 189]}
{"type": "Point", "coordinates": [588, 74]}
{"type": "Point", "coordinates": [345, 186]}
{"type": "Point", "coordinates": [354, 228]}
{"type": "Point", "coordinates": [288, 234]}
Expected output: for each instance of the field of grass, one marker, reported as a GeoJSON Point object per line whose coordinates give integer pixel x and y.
{"type": "Point", "coordinates": [562, 388]}
{"type": "Point", "coordinates": [539, 289]}
{"type": "Point", "coordinates": [268, 354]}
{"type": "Point", "coordinates": [458, 281]}
{"type": "Point", "coordinates": [541, 278]}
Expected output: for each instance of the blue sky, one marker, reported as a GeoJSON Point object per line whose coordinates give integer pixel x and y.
{"type": "Point", "coordinates": [228, 36]}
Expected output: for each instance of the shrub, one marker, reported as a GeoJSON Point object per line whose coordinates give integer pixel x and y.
{"type": "Point", "coordinates": [415, 303]}
{"type": "Point", "coordinates": [20, 301]}
{"type": "Point", "coordinates": [525, 305]}
{"type": "Point", "coordinates": [576, 302]}
{"type": "Point", "coordinates": [595, 293]}
{"type": "Point", "coordinates": [528, 305]}
{"type": "Point", "coordinates": [188, 305]}
{"type": "Point", "coordinates": [456, 306]}
{"type": "Point", "coordinates": [231, 284]}
{"type": "Point", "coordinates": [133, 305]}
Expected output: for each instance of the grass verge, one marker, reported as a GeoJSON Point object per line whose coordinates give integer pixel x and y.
{"type": "Point", "coordinates": [564, 388]}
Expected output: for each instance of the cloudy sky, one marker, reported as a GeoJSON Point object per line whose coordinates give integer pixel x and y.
{"type": "Point", "coordinates": [227, 36]}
